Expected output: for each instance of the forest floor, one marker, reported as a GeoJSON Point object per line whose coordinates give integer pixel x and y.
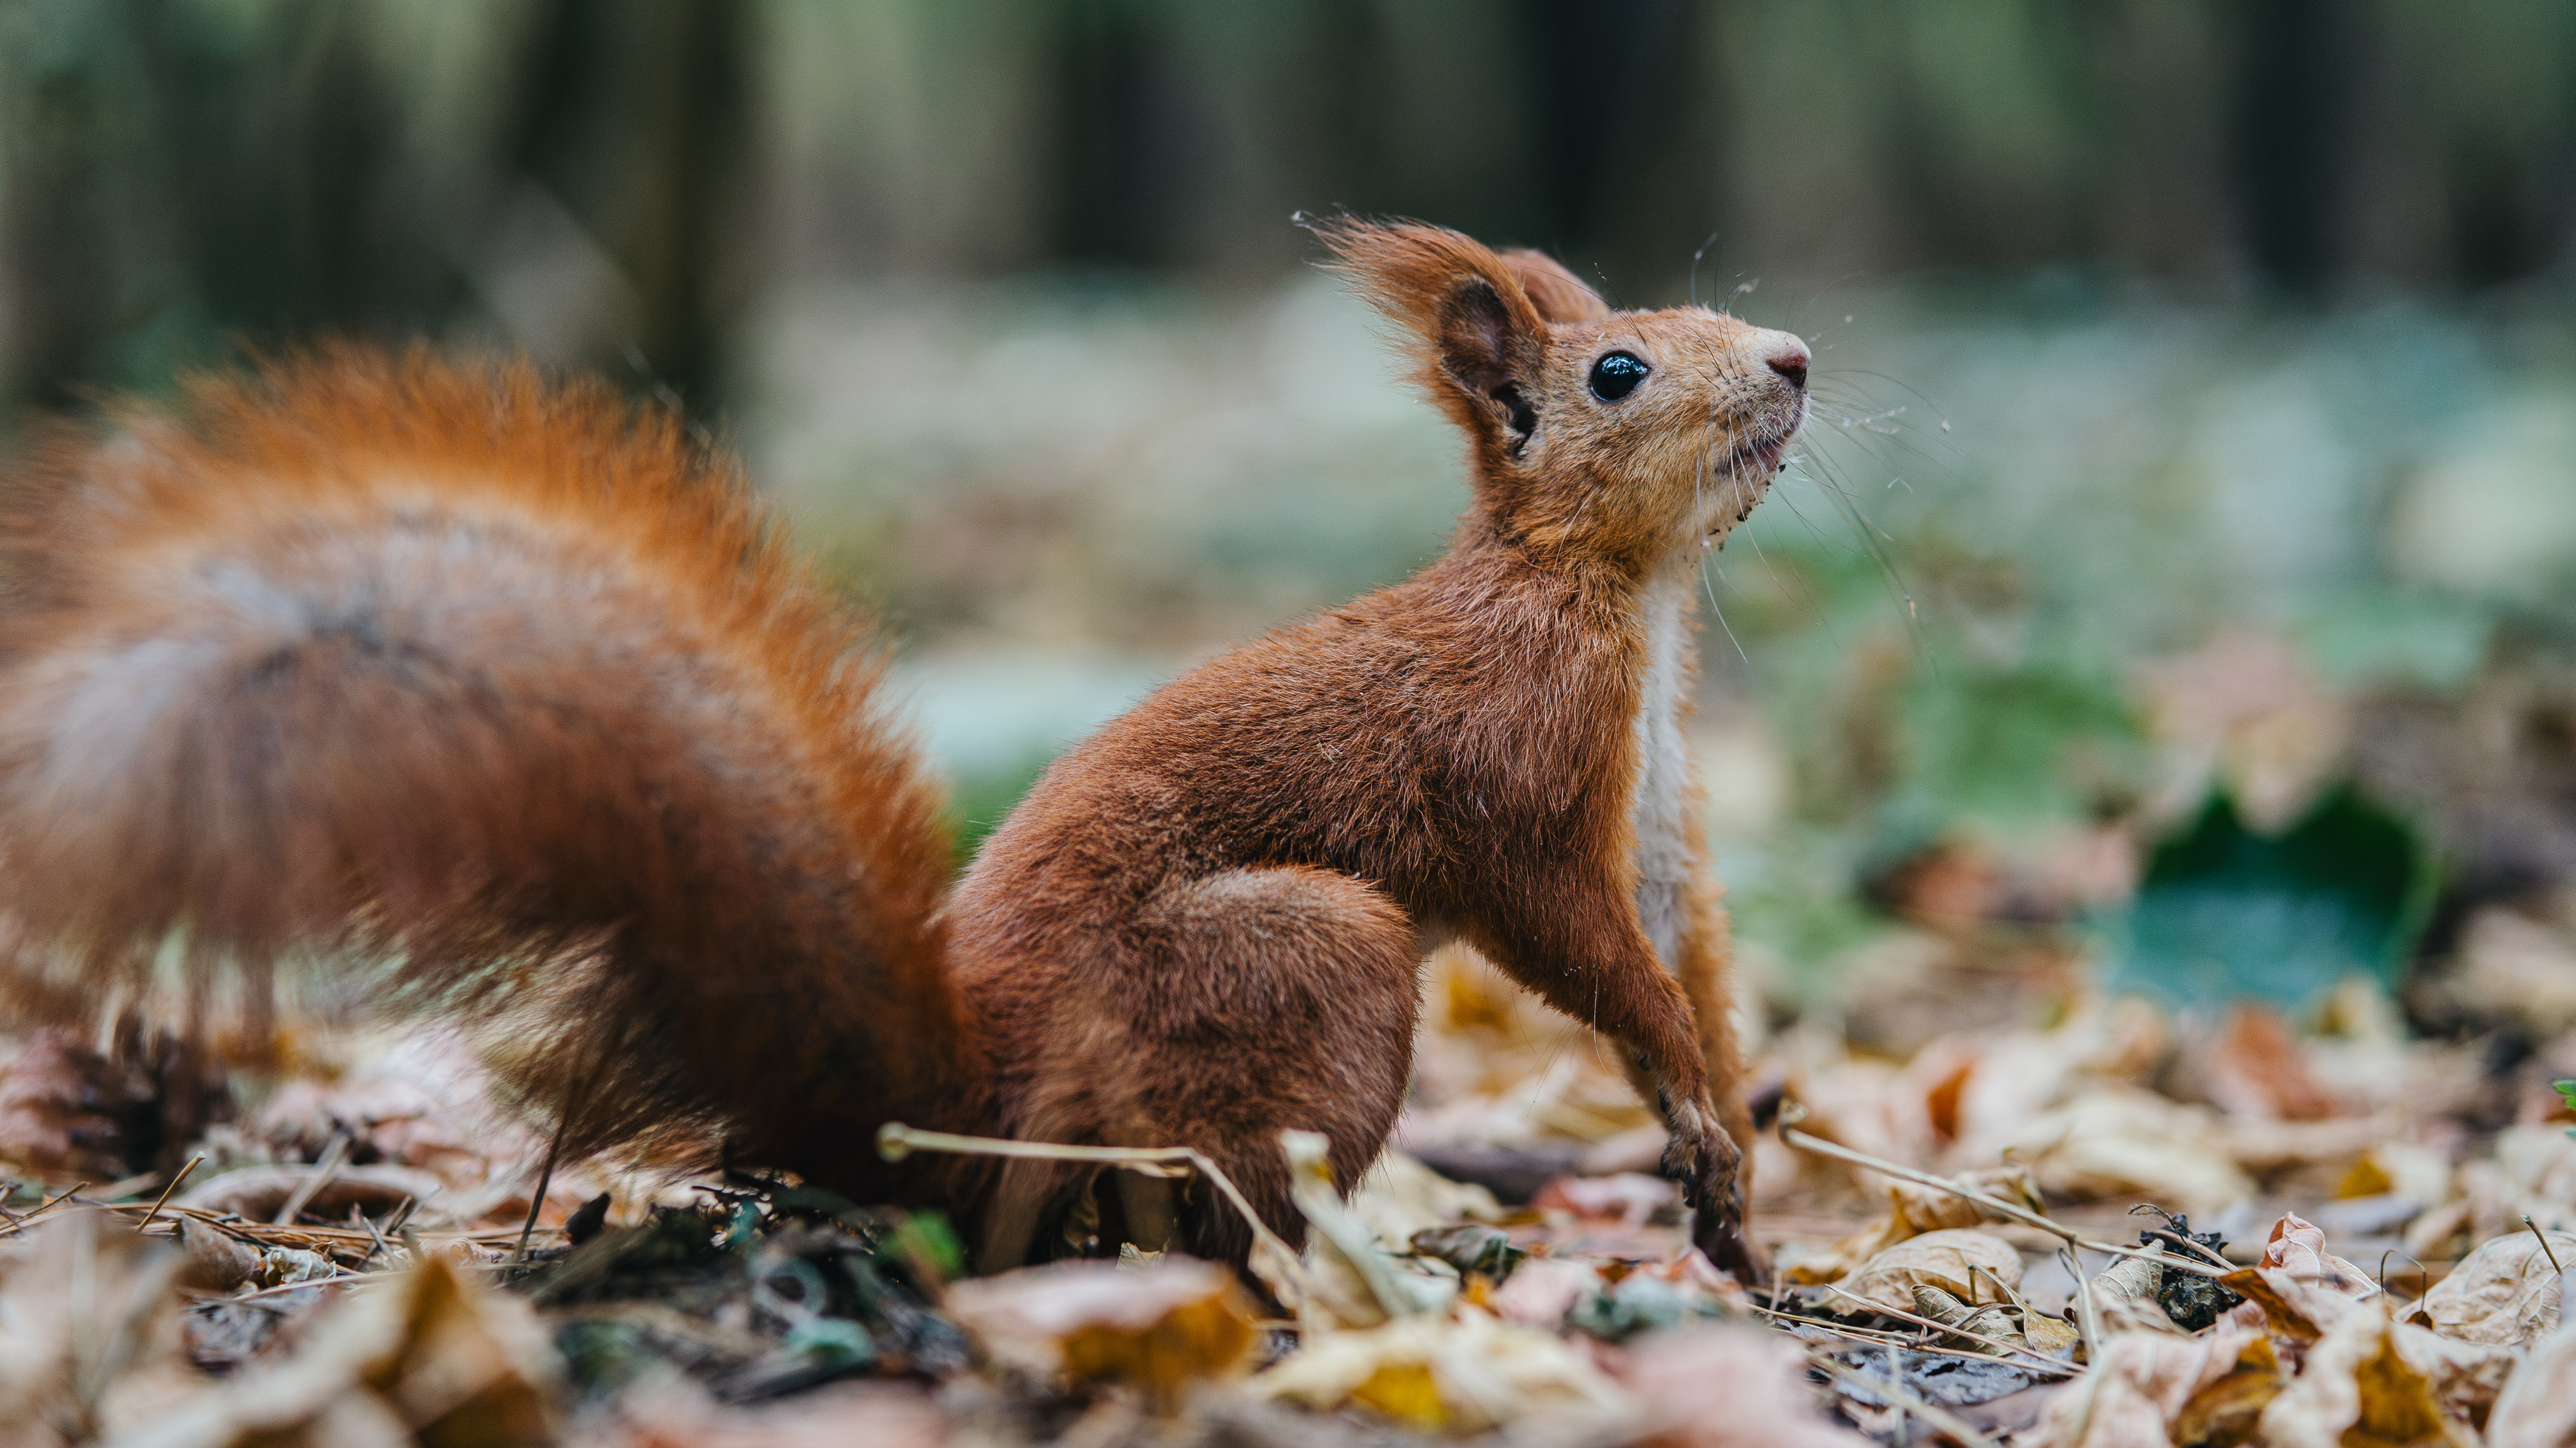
{"type": "Point", "coordinates": [2026, 1214]}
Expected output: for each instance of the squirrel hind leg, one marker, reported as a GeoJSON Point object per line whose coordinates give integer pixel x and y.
{"type": "Point", "coordinates": [1248, 1002]}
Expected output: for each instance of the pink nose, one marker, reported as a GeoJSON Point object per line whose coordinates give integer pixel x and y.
{"type": "Point", "coordinates": [1789, 359]}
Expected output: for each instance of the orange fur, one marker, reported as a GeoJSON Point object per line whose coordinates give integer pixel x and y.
{"type": "Point", "coordinates": [514, 688]}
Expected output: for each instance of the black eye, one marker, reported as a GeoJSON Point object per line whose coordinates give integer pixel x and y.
{"type": "Point", "coordinates": [1617, 375]}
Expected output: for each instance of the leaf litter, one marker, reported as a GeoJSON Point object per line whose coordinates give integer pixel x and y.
{"type": "Point", "coordinates": [2079, 1231]}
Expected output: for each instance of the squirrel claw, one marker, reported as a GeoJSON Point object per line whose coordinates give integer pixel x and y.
{"type": "Point", "coordinates": [1705, 1166]}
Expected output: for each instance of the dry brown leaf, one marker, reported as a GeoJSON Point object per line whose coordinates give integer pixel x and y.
{"type": "Point", "coordinates": [2537, 1408]}
{"type": "Point", "coordinates": [2506, 1292]}
{"type": "Point", "coordinates": [1939, 1259]}
{"type": "Point", "coordinates": [2227, 1409]}
{"type": "Point", "coordinates": [1626, 1199]}
{"type": "Point", "coordinates": [1542, 1290]}
{"type": "Point", "coordinates": [2514, 968]}
{"type": "Point", "coordinates": [2129, 1143]}
{"type": "Point", "coordinates": [2146, 1382]}
{"type": "Point", "coordinates": [1726, 1387]}
{"type": "Point", "coordinates": [89, 1331]}
{"type": "Point", "coordinates": [1912, 1210]}
{"type": "Point", "coordinates": [2254, 1067]}
{"type": "Point", "coordinates": [2296, 1312]}
{"type": "Point", "coordinates": [1467, 1374]}
{"type": "Point", "coordinates": [2358, 1389]}
{"type": "Point", "coordinates": [217, 1262]}
{"type": "Point", "coordinates": [1176, 1321]}
{"type": "Point", "coordinates": [2124, 1294]}
{"type": "Point", "coordinates": [423, 1357]}
{"type": "Point", "coordinates": [2298, 1247]}
{"type": "Point", "coordinates": [1994, 1320]}
{"type": "Point", "coordinates": [666, 1411]}
{"type": "Point", "coordinates": [2533, 1174]}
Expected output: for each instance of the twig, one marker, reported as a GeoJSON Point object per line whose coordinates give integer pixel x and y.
{"type": "Point", "coordinates": [545, 1179]}
{"type": "Point", "coordinates": [1941, 1418]}
{"type": "Point", "coordinates": [155, 1209]}
{"type": "Point", "coordinates": [2043, 1359]}
{"type": "Point", "coordinates": [2183, 1240]}
{"type": "Point", "coordinates": [1896, 1394]}
{"type": "Point", "coordinates": [2543, 1238]}
{"type": "Point", "coordinates": [1875, 1336]}
{"type": "Point", "coordinates": [1997, 1205]}
{"type": "Point", "coordinates": [42, 1207]}
{"type": "Point", "coordinates": [2085, 1321]}
{"type": "Point", "coordinates": [334, 1157]}
{"type": "Point", "coordinates": [895, 1141]}
{"type": "Point", "coordinates": [343, 1279]}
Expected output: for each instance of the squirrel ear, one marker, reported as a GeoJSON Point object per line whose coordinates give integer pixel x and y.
{"type": "Point", "coordinates": [1558, 294]}
{"type": "Point", "coordinates": [1465, 303]}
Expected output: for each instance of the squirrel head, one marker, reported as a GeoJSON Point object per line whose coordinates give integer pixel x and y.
{"type": "Point", "coordinates": [1636, 439]}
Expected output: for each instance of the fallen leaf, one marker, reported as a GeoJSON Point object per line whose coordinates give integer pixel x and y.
{"type": "Point", "coordinates": [668, 1411]}
{"type": "Point", "coordinates": [2147, 1382]}
{"type": "Point", "coordinates": [2298, 1313]}
{"type": "Point", "coordinates": [2537, 1408]}
{"type": "Point", "coordinates": [1627, 1199]}
{"type": "Point", "coordinates": [1176, 1321]}
{"type": "Point", "coordinates": [2505, 1292]}
{"type": "Point", "coordinates": [2514, 968]}
{"type": "Point", "coordinates": [1912, 1210]}
{"type": "Point", "coordinates": [1350, 1278]}
{"type": "Point", "coordinates": [89, 1332]}
{"type": "Point", "coordinates": [1543, 1289]}
{"type": "Point", "coordinates": [2122, 1142]}
{"type": "Point", "coordinates": [2356, 1389]}
{"type": "Point", "coordinates": [2254, 1067]}
{"type": "Point", "coordinates": [2298, 1248]}
{"type": "Point", "coordinates": [2124, 1294]}
{"type": "Point", "coordinates": [1941, 1259]}
{"type": "Point", "coordinates": [420, 1356]}
{"type": "Point", "coordinates": [1998, 1321]}
{"type": "Point", "coordinates": [217, 1262]}
{"type": "Point", "coordinates": [1726, 1387]}
{"type": "Point", "coordinates": [1464, 1374]}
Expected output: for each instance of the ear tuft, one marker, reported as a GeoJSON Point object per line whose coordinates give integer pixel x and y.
{"type": "Point", "coordinates": [1480, 333]}
{"type": "Point", "coordinates": [1408, 271]}
{"type": "Point", "coordinates": [1559, 295]}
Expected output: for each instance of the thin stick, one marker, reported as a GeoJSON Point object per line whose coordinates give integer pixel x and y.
{"type": "Point", "coordinates": [1997, 1205]}
{"type": "Point", "coordinates": [2085, 1321]}
{"type": "Point", "coordinates": [2544, 1245]}
{"type": "Point", "coordinates": [165, 1194]}
{"type": "Point", "coordinates": [895, 1141]}
{"type": "Point", "coordinates": [2043, 1359]}
{"type": "Point", "coordinates": [1874, 1337]}
{"type": "Point", "coordinates": [42, 1207]}
{"type": "Point", "coordinates": [545, 1179]}
{"type": "Point", "coordinates": [1897, 1395]}
{"type": "Point", "coordinates": [1941, 1418]}
{"type": "Point", "coordinates": [334, 1157]}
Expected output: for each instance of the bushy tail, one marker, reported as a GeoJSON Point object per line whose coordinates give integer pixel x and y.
{"type": "Point", "coordinates": [502, 687]}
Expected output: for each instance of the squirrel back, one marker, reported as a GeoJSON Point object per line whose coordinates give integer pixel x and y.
{"type": "Point", "coordinates": [507, 686]}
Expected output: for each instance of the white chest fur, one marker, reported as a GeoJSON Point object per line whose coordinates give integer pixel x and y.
{"type": "Point", "coordinates": [1659, 808]}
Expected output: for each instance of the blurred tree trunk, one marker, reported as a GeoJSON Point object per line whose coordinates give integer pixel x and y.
{"type": "Point", "coordinates": [634, 114]}
{"type": "Point", "coordinates": [2294, 137]}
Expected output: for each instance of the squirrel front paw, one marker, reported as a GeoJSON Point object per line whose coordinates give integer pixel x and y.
{"type": "Point", "coordinates": [1707, 1165]}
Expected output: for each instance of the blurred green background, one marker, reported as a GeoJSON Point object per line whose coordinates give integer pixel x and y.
{"type": "Point", "coordinates": [2178, 574]}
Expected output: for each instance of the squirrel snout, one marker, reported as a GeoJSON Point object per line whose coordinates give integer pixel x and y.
{"type": "Point", "coordinates": [1788, 357]}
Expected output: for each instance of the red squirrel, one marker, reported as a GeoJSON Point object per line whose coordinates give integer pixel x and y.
{"type": "Point", "coordinates": [514, 691]}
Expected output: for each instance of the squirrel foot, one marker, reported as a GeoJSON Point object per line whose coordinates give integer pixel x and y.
{"type": "Point", "coordinates": [1706, 1163]}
